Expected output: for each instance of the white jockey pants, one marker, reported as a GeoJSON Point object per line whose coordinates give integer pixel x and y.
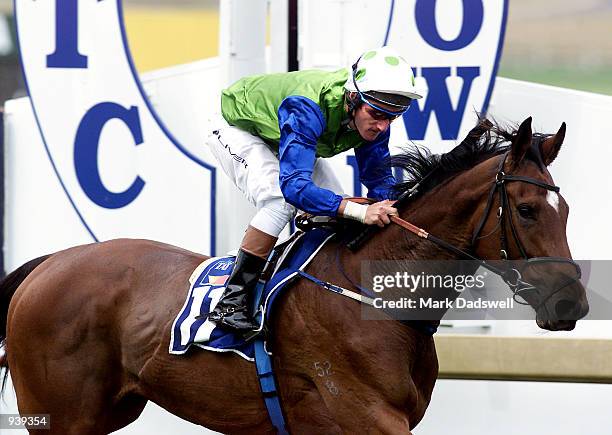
{"type": "Point", "coordinates": [254, 169]}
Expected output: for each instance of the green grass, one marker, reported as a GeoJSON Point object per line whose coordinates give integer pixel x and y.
{"type": "Point", "coordinates": [597, 79]}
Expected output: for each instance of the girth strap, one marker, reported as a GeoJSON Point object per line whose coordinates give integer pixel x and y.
{"type": "Point", "coordinates": [265, 375]}
{"type": "Point", "coordinates": [263, 363]}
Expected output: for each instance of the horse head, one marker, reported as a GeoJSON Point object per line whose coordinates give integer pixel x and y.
{"type": "Point", "coordinates": [531, 219]}
{"type": "Point", "coordinates": [488, 200]}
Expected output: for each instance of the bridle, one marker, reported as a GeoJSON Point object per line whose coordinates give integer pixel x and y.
{"type": "Point", "coordinates": [511, 275]}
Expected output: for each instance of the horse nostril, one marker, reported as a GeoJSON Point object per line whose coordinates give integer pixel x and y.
{"type": "Point", "coordinates": [567, 310]}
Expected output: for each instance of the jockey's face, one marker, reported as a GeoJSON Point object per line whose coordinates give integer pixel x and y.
{"type": "Point", "coordinates": [370, 122]}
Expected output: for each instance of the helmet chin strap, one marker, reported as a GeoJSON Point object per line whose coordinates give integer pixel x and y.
{"type": "Point", "coordinates": [353, 103]}
{"type": "Point", "coordinates": [352, 106]}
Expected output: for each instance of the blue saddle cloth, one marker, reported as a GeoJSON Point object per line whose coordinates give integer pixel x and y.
{"type": "Point", "coordinates": [207, 285]}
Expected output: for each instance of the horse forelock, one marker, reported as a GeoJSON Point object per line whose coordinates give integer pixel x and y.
{"type": "Point", "coordinates": [535, 151]}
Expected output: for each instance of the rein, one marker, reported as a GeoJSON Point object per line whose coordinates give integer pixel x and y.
{"type": "Point", "coordinates": [510, 275]}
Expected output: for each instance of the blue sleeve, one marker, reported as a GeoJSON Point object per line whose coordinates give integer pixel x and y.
{"type": "Point", "coordinates": [301, 122]}
{"type": "Point", "coordinates": [369, 157]}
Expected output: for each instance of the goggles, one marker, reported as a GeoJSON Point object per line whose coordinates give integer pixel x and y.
{"type": "Point", "coordinates": [382, 113]}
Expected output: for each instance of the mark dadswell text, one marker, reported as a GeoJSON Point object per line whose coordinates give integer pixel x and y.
{"type": "Point", "coordinates": [447, 303]}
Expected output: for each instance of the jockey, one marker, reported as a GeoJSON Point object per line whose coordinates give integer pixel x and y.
{"type": "Point", "coordinates": [272, 138]}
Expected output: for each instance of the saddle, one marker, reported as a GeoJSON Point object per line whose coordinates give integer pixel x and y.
{"type": "Point", "coordinates": [348, 230]}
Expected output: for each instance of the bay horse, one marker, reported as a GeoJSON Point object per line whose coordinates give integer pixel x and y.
{"type": "Point", "coordinates": [86, 330]}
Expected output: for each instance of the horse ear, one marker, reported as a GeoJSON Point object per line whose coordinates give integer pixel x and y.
{"type": "Point", "coordinates": [522, 142]}
{"type": "Point", "coordinates": [551, 146]}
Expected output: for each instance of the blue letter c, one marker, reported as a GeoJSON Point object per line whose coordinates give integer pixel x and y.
{"type": "Point", "coordinates": [86, 153]}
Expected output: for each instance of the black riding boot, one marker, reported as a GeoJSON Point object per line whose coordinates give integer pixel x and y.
{"type": "Point", "coordinates": [234, 310]}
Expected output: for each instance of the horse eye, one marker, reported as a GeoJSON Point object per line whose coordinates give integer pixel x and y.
{"type": "Point", "coordinates": [526, 211]}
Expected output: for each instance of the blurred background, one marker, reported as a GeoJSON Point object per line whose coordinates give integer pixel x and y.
{"type": "Point", "coordinates": [563, 43]}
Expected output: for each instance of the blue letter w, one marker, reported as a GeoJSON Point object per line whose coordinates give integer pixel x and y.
{"type": "Point", "coordinates": [438, 100]}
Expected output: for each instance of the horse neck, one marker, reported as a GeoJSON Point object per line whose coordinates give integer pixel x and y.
{"type": "Point", "coordinates": [449, 211]}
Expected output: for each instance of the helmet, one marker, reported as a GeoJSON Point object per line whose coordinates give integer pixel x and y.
{"type": "Point", "coordinates": [382, 75]}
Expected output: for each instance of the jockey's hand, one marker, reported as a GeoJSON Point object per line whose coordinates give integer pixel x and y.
{"type": "Point", "coordinates": [379, 213]}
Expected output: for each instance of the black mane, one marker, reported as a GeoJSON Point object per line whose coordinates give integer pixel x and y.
{"type": "Point", "coordinates": [486, 140]}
